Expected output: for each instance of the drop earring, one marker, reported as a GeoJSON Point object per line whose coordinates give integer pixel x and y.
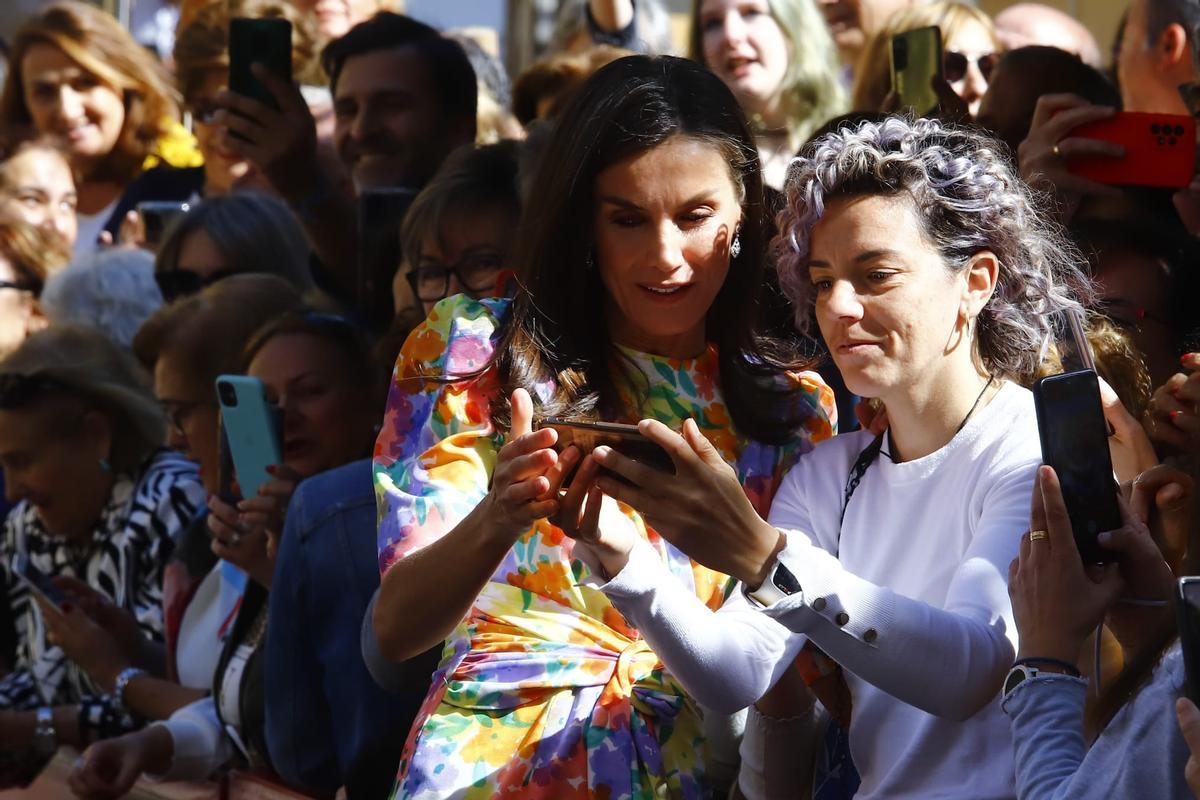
{"type": "Point", "coordinates": [589, 261]}
{"type": "Point", "coordinates": [735, 249]}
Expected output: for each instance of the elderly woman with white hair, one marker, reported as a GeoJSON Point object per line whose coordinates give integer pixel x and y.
{"type": "Point", "coordinates": [931, 273]}
{"type": "Point", "coordinates": [112, 290]}
{"type": "Point", "coordinates": [98, 500]}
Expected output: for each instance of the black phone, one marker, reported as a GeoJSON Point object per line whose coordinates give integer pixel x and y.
{"type": "Point", "coordinates": [1074, 438]}
{"type": "Point", "coordinates": [916, 60]}
{"type": "Point", "coordinates": [381, 210]}
{"type": "Point", "coordinates": [1187, 614]}
{"type": "Point", "coordinates": [266, 41]}
{"type": "Point", "coordinates": [38, 582]}
{"type": "Point", "coordinates": [159, 217]}
{"type": "Point", "coordinates": [625, 439]}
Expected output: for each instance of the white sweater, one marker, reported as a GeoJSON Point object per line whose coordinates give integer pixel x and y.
{"type": "Point", "coordinates": [914, 605]}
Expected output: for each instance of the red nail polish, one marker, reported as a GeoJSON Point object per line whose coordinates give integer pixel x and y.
{"type": "Point", "coordinates": [1175, 414]}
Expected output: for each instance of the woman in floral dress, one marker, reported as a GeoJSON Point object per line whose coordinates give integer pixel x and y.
{"type": "Point", "coordinates": [642, 262]}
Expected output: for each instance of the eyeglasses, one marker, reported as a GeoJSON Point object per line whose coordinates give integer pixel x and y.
{"type": "Point", "coordinates": [176, 283]}
{"type": "Point", "coordinates": [18, 390]}
{"type": "Point", "coordinates": [177, 412]}
{"type": "Point", "coordinates": [20, 287]}
{"type": "Point", "coordinates": [476, 272]}
{"type": "Point", "coordinates": [954, 65]}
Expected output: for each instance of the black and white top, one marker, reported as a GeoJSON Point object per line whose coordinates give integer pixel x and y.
{"type": "Point", "coordinates": [130, 545]}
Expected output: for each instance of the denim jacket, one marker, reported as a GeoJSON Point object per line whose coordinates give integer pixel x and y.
{"type": "Point", "coordinates": [326, 717]}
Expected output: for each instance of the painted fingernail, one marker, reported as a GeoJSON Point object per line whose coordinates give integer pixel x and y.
{"type": "Point", "coordinates": [1175, 414]}
{"type": "Point", "coordinates": [1104, 537]}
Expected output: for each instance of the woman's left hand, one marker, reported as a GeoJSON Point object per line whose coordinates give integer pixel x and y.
{"type": "Point", "coordinates": [702, 509]}
{"type": "Point", "coordinates": [1057, 601]}
{"type": "Point", "coordinates": [266, 510]}
{"type": "Point", "coordinates": [1129, 446]}
{"type": "Point", "coordinates": [94, 649]}
{"type": "Point", "coordinates": [1144, 572]}
{"type": "Point", "coordinates": [593, 519]}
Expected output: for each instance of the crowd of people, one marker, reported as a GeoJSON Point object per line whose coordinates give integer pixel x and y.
{"type": "Point", "coordinates": [849, 575]}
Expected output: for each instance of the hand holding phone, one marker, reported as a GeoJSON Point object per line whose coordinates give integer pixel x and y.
{"type": "Point", "coordinates": [1187, 610]}
{"type": "Point", "coordinates": [1160, 150]}
{"type": "Point", "coordinates": [266, 41]}
{"type": "Point", "coordinates": [252, 429]}
{"type": "Point", "coordinates": [38, 582]}
{"type": "Point", "coordinates": [1074, 439]}
{"type": "Point", "coordinates": [624, 439]}
{"type": "Point", "coordinates": [158, 217]}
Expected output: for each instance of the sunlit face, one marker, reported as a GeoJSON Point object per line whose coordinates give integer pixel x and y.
{"type": "Point", "coordinates": [465, 256]}
{"type": "Point", "coordinates": [37, 188]}
{"type": "Point", "coordinates": [67, 101]}
{"type": "Point", "coordinates": [886, 303]}
{"type": "Point", "coordinates": [852, 22]}
{"type": "Point", "coordinates": [192, 414]}
{"type": "Point", "coordinates": [198, 253]}
{"type": "Point", "coordinates": [746, 48]}
{"type": "Point", "coordinates": [1147, 84]}
{"type": "Point", "coordinates": [665, 218]}
{"type": "Point", "coordinates": [18, 307]}
{"type": "Point", "coordinates": [222, 168]}
{"type": "Point", "coordinates": [327, 418]}
{"type": "Point", "coordinates": [336, 17]}
{"type": "Point", "coordinates": [51, 456]}
{"type": "Point", "coordinates": [388, 126]}
{"type": "Point", "coordinates": [972, 41]}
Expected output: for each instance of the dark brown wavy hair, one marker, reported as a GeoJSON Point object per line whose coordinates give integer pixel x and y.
{"type": "Point", "coordinates": [557, 330]}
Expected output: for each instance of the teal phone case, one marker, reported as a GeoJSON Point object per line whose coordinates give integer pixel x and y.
{"type": "Point", "coordinates": [251, 429]}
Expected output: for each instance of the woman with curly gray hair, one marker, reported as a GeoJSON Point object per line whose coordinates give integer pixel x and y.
{"type": "Point", "coordinates": [930, 271]}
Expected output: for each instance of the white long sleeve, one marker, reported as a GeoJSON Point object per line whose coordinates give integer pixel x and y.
{"type": "Point", "coordinates": [909, 593]}
{"type": "Point", "coordinates": [201, 746]}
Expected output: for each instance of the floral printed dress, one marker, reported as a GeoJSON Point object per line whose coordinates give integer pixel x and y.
{"type": "Point", "coordinates": [544, 690]}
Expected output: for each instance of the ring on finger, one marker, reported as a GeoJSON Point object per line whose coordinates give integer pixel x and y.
{"type": "Point", "coordinates": [1056, 151]}
{"type": "Point", "coordinates": [1037, 536]}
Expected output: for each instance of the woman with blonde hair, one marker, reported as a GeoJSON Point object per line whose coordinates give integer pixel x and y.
{"type": "Point", "coordinates": [76, 74]}
{"type": "Point", "coordinates": [970, 50]}
{"type": "Point", "coordinates": [778, 59]}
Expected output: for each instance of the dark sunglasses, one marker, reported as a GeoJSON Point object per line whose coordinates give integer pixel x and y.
{"type": "Point", "coordinates": [954, 65]}
{"type": "Point", "coordinates": [176, 283]}
{"type": "Point", "coordinates": [18, 391]}
{"type": "Point", "coordinates": [20, 287]}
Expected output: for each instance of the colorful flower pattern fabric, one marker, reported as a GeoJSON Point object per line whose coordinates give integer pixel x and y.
{"type": "Point", "coordinates": [544, 690]}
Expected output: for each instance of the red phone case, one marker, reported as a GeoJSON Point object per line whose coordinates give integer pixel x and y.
{"type": "Point", "coordinates": [1160, 150]}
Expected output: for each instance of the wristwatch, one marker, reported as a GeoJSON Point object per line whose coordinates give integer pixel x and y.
{"type": "Point", "coordinates": [780, 583]}
{"type": "Point", "coordinates": [122, 682]}
{"type": "Point", "coordinates": [45, 739]}
{"type": "Point", "coordinates": [1022, 672]}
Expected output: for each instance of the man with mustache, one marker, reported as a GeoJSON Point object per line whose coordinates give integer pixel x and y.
{"type": "Point", "coordinates": [404, 96]}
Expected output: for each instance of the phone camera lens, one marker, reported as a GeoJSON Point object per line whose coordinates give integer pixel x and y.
{"type": "Point", "coordinates": [1161, 140]}
{"type": "Point", "coordinates": [227, 394]}
{"type": "Point", "coordinates": [1179, 130]}
{"type": "Point", "coordinates": [1155, 128]}
{"type": "Point", "coordinates": [1172, 141]}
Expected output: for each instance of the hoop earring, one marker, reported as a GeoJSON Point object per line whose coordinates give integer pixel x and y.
{"type": "Point", "coordinates": [589, 261]}
{"type": "Point", "coordinates": [735, 248]}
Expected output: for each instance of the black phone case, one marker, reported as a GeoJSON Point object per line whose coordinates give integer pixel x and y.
{"type": "Point", "coordinates": [266, 41]}
{"type": "Point", "coordinates": [1187, 616]}
{"type": "Point", "coordinates": [1071, 400]}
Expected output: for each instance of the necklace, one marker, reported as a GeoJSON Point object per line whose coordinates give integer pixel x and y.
{"type": "Point", "coordinates": [975, 405]}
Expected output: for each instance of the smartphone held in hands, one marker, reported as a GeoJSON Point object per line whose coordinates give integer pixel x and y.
{"type": "Point", "coordinates": [916, 61]}
{"type": "Point", "coordinates": [37, 581]}
{"type": "Point", "coordinates": [1074, 438]}
{"type": "Point", "coordinates": [624, 439]}
{"type": "Point", "coordinates": [1187, 614]}
{"type": "Point", "coordinates": [266, 41]}
{"type": "Point", "coordinates": [252, 430]}
{"type": "Point", "coordinates": [1160, 150]}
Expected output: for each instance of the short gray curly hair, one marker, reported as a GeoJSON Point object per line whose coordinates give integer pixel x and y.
{"type": "Point", "coordinates": [969, 200]}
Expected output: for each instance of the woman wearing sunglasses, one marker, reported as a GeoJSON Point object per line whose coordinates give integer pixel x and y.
{"type": "Point", "coordinates": [230, 235]}
{"type": "Point", "coordinates": [970, 50]}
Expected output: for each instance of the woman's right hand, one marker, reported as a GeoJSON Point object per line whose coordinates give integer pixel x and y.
{"type": "Point", "coordinates": [527, 475]}
{"type": "Point", "coordinates": [241, 544]}
{"type": "Point", "coordinates": [1042, 157]}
